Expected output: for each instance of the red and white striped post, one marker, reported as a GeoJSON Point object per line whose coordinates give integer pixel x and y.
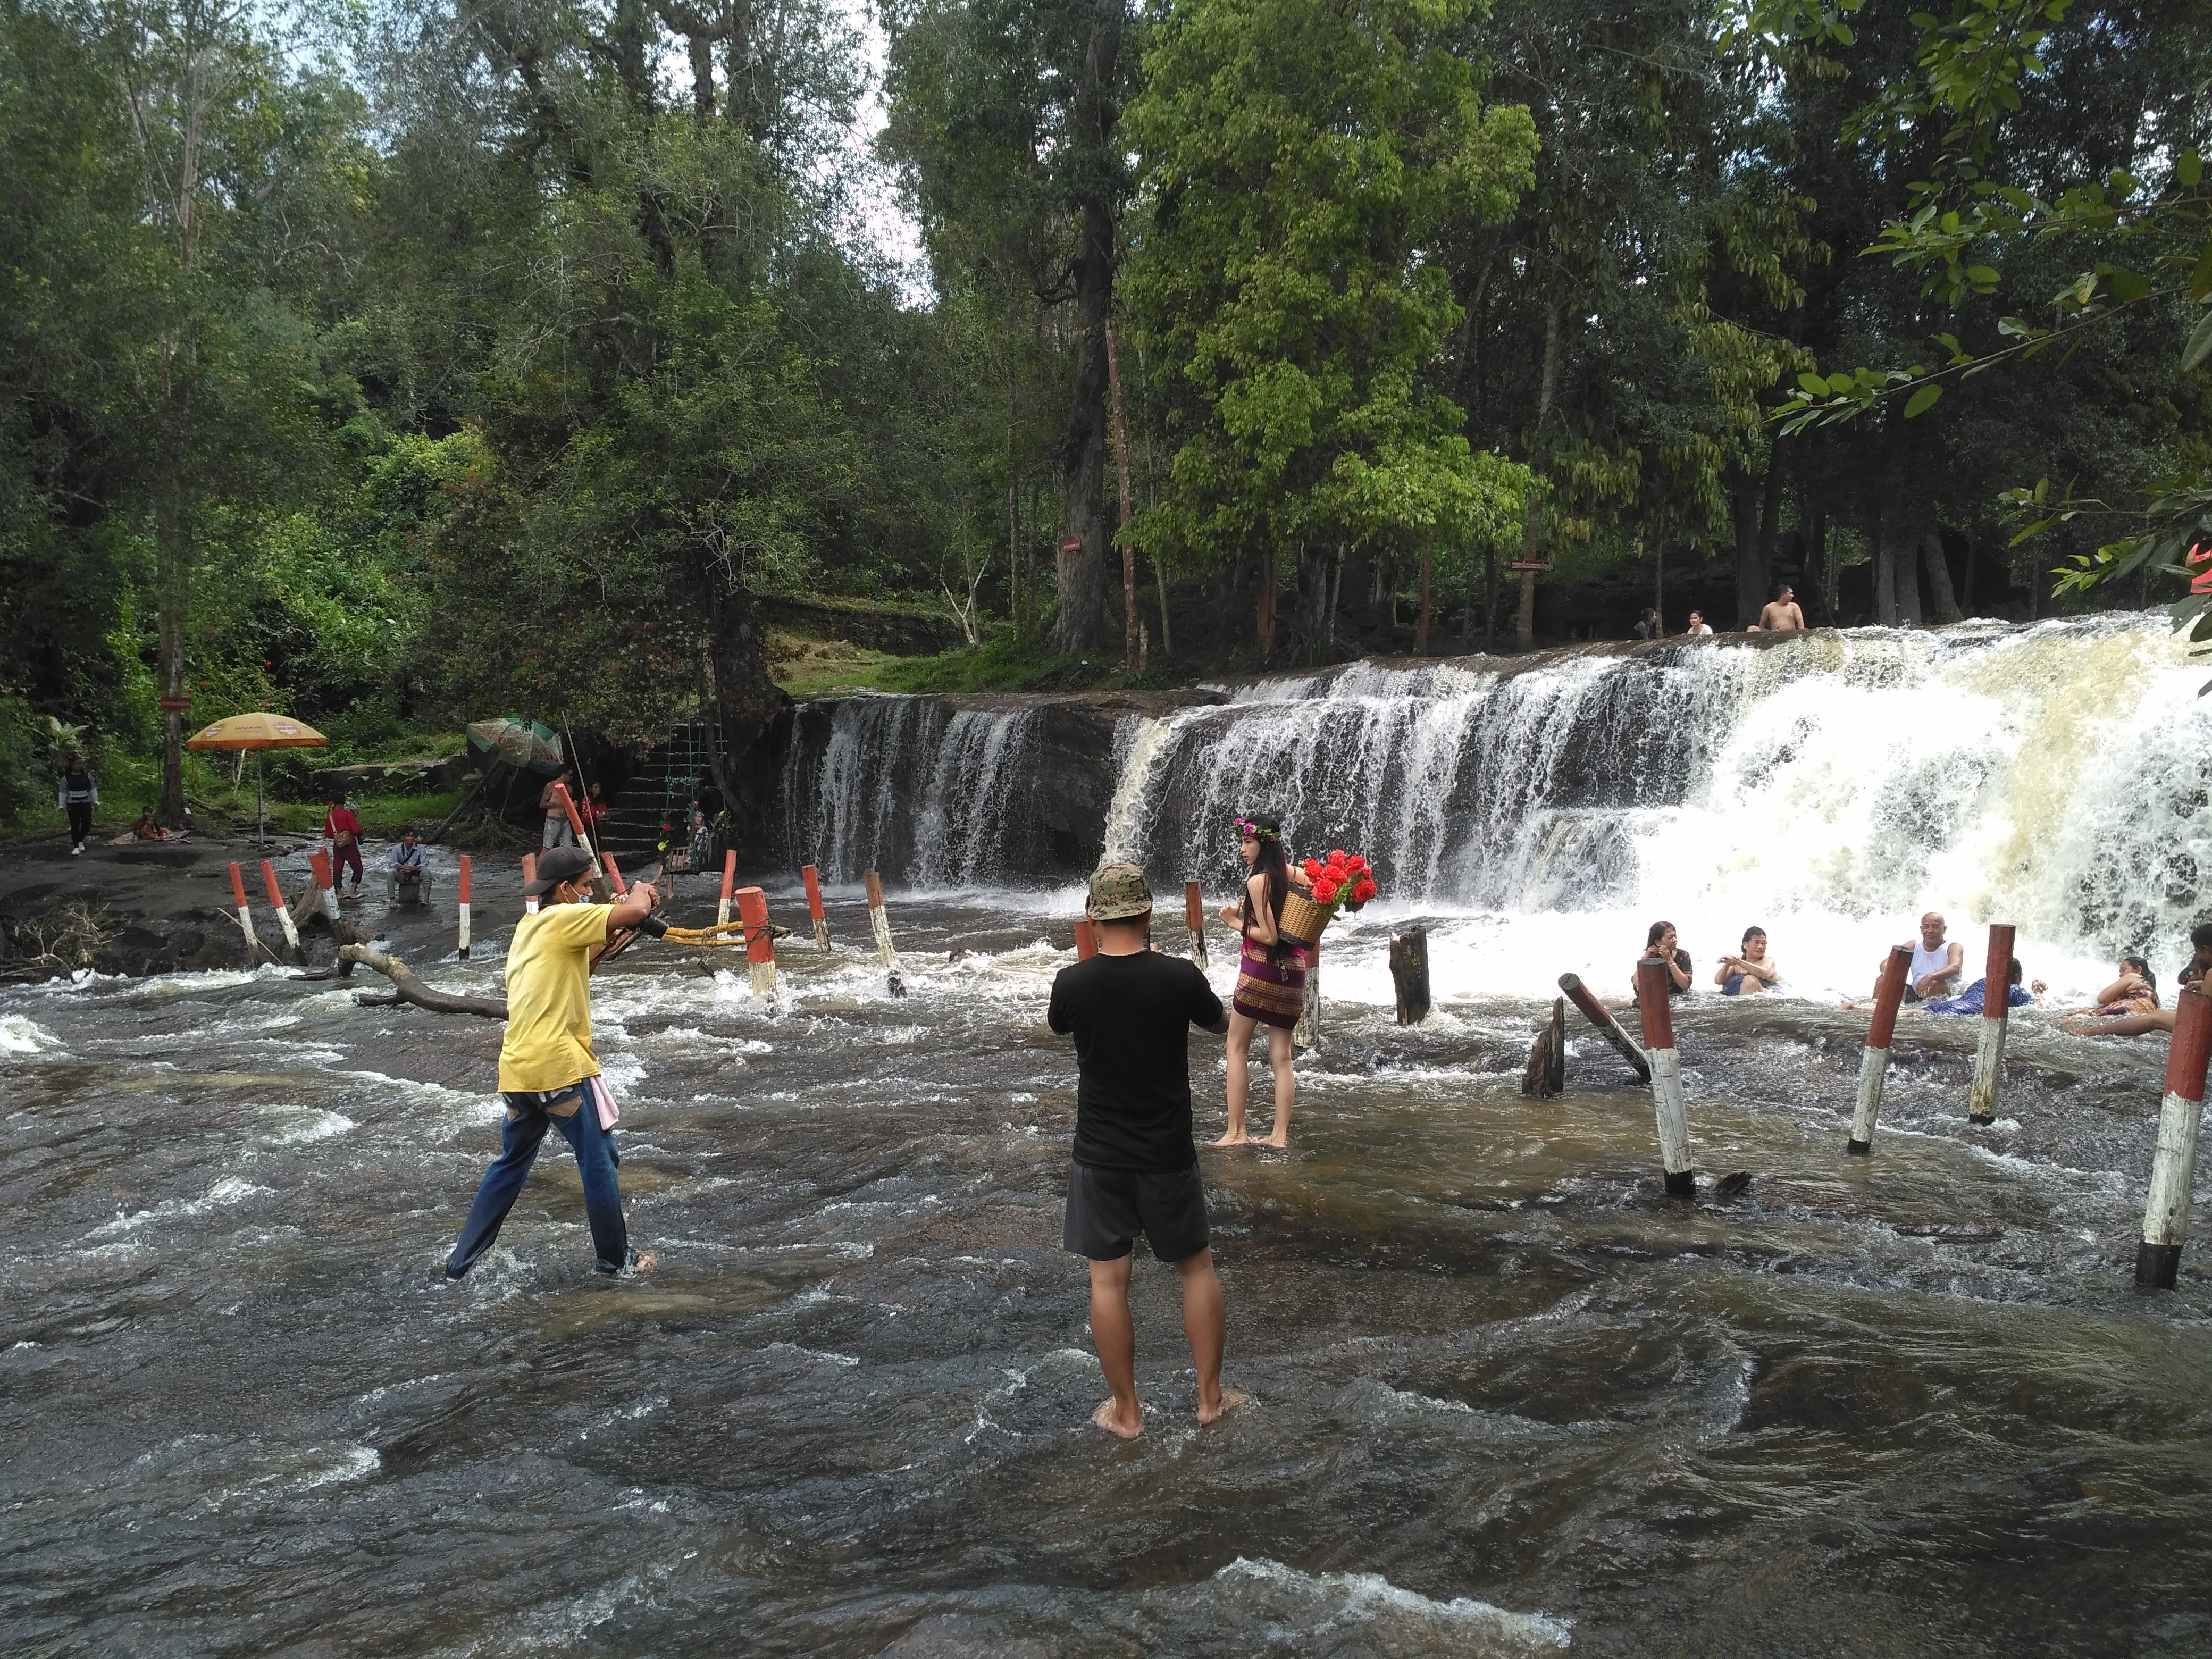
{"type": "Point", "coordinates": [1652, 985]}
{"type": "Point", "coordinates": [529, 875]}
{"type": "Point", "coordinates": [244, 915]}
{"type": "Point", "coordinates": [881, 926]}
{"type": "Point", "coordinates": [1193, 916]}
{"type": "Point", "coordinates": [1873, 1060]}
{"type": "Point", "coordinates": [760, 942]}
{"type": "Point", "coordinates": [729, 881]}
{"type": "Point", "coordinates": [812, 877]}
{"type": "Point", "coordinates": [1086, 938]}
{"type": "Point", "coordinates": [614, 875]}
{"type": "Point", "coordinates": [319, 861]}
{"type": "Point", "coordinates": [2174, 1163]}
{"type": "Point", "coordinates": [462, 949]}
{"type": "Point", "coordinates": [1989, 1051]}
{"type": "Point", "coordinates": [276, 903]}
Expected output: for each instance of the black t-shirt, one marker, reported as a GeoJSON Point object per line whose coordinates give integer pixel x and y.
{"type": "Point", "coordinates": [1130, 1016]}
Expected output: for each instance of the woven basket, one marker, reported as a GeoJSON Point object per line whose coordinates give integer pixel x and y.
{"type": "Point", "coordinates": [1303, 921]}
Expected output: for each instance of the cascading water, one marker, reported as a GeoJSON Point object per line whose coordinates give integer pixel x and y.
{"type": "Point", "coordinates": [2053, 776]}
{"type": "Point", "coordinates": [1828, 787]}
{"type": "Point", "coordinates": [912, 787]}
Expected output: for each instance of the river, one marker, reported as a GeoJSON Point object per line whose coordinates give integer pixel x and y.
{"type": "Point", "coordinates": [1506, 1399]}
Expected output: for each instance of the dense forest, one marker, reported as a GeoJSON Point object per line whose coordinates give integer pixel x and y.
{"type": "Point", "coordinates": [402, 365]}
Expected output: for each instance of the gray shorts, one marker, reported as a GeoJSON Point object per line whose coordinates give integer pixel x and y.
{"type": "Point", "coordinates": [1108, 1208]}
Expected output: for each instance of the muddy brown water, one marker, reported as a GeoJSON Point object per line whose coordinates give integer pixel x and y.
{"type": "Point", "coordinates": [1506, 1399]}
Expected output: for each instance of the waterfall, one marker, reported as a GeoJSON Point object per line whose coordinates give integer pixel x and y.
{"type": "Point", "coordinates": [2053, 776]}
{"type": "Point", "coordinates": [915, 788]}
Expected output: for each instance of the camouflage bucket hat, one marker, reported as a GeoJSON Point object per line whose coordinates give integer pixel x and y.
{"type": "Point", "coordinates": [1118, 891]}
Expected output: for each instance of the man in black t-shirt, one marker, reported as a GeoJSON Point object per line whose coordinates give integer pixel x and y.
{"type": "Point", "coordinates": [1135, 1167]}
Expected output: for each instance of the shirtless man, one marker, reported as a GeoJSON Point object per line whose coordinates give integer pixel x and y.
{"type": "Point", "coordinates": [1782, 614]}
{"type": "Point", "coordinates": [1937, 964]}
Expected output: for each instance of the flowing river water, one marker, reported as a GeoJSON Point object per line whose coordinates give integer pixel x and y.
{"type": "Point", "coordinates": [1506, 1399]}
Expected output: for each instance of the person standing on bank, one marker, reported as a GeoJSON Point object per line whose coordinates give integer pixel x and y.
{"type": "Point", "coordinates": [343, 830]}
{"type": "Point", "coordinates": [76, 794]}
{"type": "Point", "coordinates": [559, 832]}
{"type": "Point", "coordinates": [1134, 1168]}
{"type": "Point", "coordinates": [1271, 978]}
{"type": "Point", "coordinates": [548, 1075]}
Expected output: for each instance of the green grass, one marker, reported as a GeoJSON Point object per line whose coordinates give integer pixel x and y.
{"type": "Point", "coordinates": [814, 668]}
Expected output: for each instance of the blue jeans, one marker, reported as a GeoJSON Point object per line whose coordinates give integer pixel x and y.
{"type": "Point", "coordinates": [528, 1117]}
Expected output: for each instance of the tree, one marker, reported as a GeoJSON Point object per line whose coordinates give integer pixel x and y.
{"type": "Point", "coordinates": [1301, 158]}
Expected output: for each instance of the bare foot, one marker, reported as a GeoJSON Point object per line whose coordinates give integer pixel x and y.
{"type": "Point", "coordinates": [1109, 1417]}
{"type": "Point", "coordinates": [1281, 1138]}
{"type": "Point", "coordinates": [1227, 1401]}
{"type": "Point", "coordinates": [1230, 1139]}
{"type": "Point", "coordinates": [647, 1262]}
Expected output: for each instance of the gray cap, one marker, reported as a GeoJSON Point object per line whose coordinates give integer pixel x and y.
{"type": "Point", "coordinates": [561, 864]}
{"type": "Point", "coordinates": [1118, 892]}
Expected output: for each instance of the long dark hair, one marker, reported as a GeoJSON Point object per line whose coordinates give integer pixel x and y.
{"type": "Point", "coordinates": [2143, 967]}
{"type": "Point", "coordinates": [1273, 864]}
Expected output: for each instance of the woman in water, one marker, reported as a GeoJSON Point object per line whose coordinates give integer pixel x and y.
{"type": "Point", "coordinates": [1271, 978]}
{"type": "Point", "coordinates": [2134, 992]}
{"type": "Point", "coordinates": [1752, 972]}
{"type": "Point", "coordinates": [1662, 942]}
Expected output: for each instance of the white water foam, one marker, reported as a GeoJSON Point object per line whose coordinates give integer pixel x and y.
{"type": "Point", "coordinates": [1342, 1604]}
{"type": "Point", "coordinates": [18, 1035]}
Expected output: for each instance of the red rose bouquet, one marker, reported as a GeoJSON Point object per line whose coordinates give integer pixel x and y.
{"type": "Point", "coordinates": [1345, 879]}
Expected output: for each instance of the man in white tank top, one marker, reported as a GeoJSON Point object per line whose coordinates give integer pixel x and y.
{"type": "Point", "coordinates": [1937, 964]}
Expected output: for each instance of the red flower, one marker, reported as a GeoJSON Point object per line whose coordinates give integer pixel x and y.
{"type": "Point", "coordinates": [1363, 890]}
{"type": "Point", "coordinates": [1357, 864]}
{"type": "Point", "coordinates": [1324, 891]}
{"type": "Point", "coordinates": [1311, 868]}
{"type": "Point", "coordinates": [1336, 858]}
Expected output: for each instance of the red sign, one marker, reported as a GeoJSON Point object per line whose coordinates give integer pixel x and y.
{"type": "Point", "coordinates": [1072, 544]}
{"type": "Point", "coordinates": [175, 705]}
{"type": "Point", "coordinates": [1531, 565]}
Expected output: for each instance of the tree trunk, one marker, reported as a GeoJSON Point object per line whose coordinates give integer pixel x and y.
{"type": "Point", "coordinates": [1769, 521]}
{"type": "Point", "coordinates": [1421, 633]}
{"type": "Point", "coordinates": [1129, 649]}
{"type": "Point", "coordinates": [1314, 564]}
{"type": "Point", "coordinates": [1885, 571]}
{"type": "Point", "coordinates": [1548, 387]}
{"type": "Point", "coordinates": [1938, 575]}
{"type": "Point", "coordinates": [1082, 622]}
{"type": "Point", "coordinates": [173, 598]}
{"type": "Point", "coordinates": [1907, 578]}
{"type": "Point", "coordinates": [1264, 609]}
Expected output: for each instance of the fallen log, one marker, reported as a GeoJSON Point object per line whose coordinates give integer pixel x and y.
{"type": "Point", "coordinates": [411, 989]}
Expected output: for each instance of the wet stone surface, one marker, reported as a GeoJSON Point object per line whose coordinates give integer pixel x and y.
{"type": "Point", "coordinates": [1507, 1399]}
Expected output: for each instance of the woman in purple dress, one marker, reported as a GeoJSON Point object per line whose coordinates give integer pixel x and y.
{"type": "Point", "coordinates": [1271, 978]}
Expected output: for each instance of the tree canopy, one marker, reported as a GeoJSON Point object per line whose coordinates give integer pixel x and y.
{"type": "Point", "coordinates": [453, 357]}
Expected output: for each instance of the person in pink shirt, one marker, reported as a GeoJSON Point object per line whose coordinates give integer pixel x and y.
{"type": "Point", "coordinates": [343, 830]}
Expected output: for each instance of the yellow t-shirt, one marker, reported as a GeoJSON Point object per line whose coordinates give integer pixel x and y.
{"type": "Point", "coordinates": [549, 999]}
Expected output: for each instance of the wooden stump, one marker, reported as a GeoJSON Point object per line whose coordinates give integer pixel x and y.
{"type": "Point", "coordinates": [1409, 972]}
{"type": "Point", "coordinates": [1547, 1056]}
{"type": "Point", "coordinates": [1306, 1034]}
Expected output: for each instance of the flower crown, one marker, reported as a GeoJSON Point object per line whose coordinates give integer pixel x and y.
{"type": "Point", "coordinates": [1252, 831]}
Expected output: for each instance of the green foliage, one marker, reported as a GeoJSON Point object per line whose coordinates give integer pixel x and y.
{"type": "Point", "coordinates": [1301, 156]}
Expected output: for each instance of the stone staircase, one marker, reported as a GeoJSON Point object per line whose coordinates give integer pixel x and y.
{"type": "Point", "coordinates": [658, 792]}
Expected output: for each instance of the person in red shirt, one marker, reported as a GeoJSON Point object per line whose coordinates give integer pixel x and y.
{"type": "Point", "coordinates": [343, 830]}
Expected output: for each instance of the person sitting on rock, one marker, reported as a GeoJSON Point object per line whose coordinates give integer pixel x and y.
{"type": "Point", "coordinates": [1752, 972]}
{"type": "Point", "coordinates": [1938, 963]}
{"type": "Point", "coordinates": [2154, 1018]}
{"type": "Point", "coordinates": [409, 878]}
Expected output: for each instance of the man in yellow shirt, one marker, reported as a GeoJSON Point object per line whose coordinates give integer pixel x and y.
{"type": "Point", "coordinates": [547, 1071]}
